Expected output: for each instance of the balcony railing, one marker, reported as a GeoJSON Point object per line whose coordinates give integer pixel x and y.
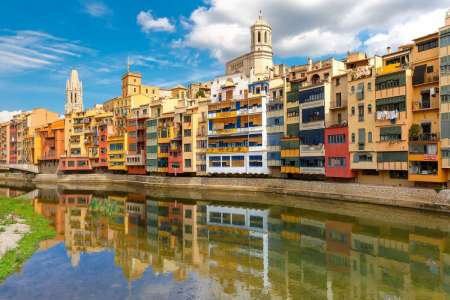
{"type": "Point", "coordinates": [425, 137]}
{"type": "Point", "coordinates": [136, 159]}
{"type": "Point", "coordinates": [433, 103]}
{"type": "Point", "coordinates": [429, 78]}
{"type": "Point", "coordinates": [312, 170]}
{"type": "Point", "coordinates": [338, 104]}
{"type": "Point", "coordinates": [235, 130]}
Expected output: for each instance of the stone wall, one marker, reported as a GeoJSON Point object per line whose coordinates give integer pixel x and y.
{"type": "Point", "coordinates": [421, 198]}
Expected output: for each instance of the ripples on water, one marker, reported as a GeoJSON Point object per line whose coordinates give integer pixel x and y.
{"type": "Point", "coordinates": [131, 246]}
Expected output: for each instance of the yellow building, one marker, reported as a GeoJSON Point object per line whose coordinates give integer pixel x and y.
{"type": "Point", "coordinates": [134, 94]}
{"type": "Point", "coordinates": [24, 131]}
{"type": "Point", "coordinates": [425, 162]}
{"type": "Point", "coordinates": [4, 143]}
{"type": "Point", "coordinates": [117, 149]}
{"type": "Point", "coordinates": [444, 89]}
{"type": "Point", "coordinates": [361, 115]}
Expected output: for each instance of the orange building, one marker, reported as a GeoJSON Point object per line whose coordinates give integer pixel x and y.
{"type": "Point", "coordinates": [49, 146]}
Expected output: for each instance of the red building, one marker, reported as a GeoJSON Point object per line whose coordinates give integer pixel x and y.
{"type": "Point", "coordinates": [175, 159]}
{"type": "Point", "coordinates": [337, 154]}
{"type": "Point", "coordinates": [101, 162]}
{"type": "Point", "coordinates": [137, 129]}
{"type": "Point", "coordinates": [13, 142]}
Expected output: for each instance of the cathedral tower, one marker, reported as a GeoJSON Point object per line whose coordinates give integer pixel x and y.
{"type": "Point", "coordinates": [261, 47]}
{"type": "Point", "coordinates": [74, 94]}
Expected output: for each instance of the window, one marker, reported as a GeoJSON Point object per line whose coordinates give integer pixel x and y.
{"type": "Point", "coordinates": [390, 81]}
{"type": "Point", "coordinates": [187, 132]}
{"type": "Point", "coordinates": [353, 138]}
{"type": "Point", "coordinates": [360, 113]}
{"type": "Point", "coordinates": [391, 133]}
{"type": "Point", "coordinates": [336, 162]}
{"type": "Point", "coordinates": [187, 148]}
{"type": "Point", "coordinates": [188, 229]}
{"type": "Point", "coordinates": [336, 139]}
{"type": "Point", "coordinates": [237, 161]}
{"type": "Point", "coordinates": [360, 91]}
{"type": "Point", "coordinates": [238, 219]}
{"type": "Point", "coordinates": [259, 37]}
{"type": "Point", "coordinates": [353, 89]}
{"type": "Point", "coordinates": [214, 161]}
{"type": "Point", "coordinates": [369, 137]}
{"type": "Point", "coordinates": [369, 86]}
{"type": "Point", "coordinates": [369, 108]}
{"type": "Point", "coordinates": [353, 110]}
{"type": "Point", "coordinates": [427, 45]}
{"type": "Point", "coordinates": [338, 99]}
{"type": "Point", "coordinates": [256, 222]}
{"type": "Point", "coordinates": [394, 156]}
{"type": "Point", "coordinates": [187, 163]}
{"type": "Point", "coordinates": [338, 82]}
{"type": "Point", "coordinates": [255, 161]}
{"type": "Point", "coordinates": [429, 69]}
{"type": "Point", "coordinates": [188, 213]}
{"type": "Point", "coordinates": [187, 119]}
{"type": "Point", "coordinates": [362, 157]}
{"type": "Point", "coordinates": [226, 161]}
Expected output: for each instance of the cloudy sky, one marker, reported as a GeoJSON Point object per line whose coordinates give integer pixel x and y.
{"type": "Point", "coordinates": [178, 41]}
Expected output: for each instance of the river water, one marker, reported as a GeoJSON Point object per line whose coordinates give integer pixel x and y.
{"type": "Point", "coordinates": [149, 245]}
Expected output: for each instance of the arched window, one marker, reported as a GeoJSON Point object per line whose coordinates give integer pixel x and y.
{"type": "Point", "coordinates": [265, 37]}
{"type": "Point", "coordinates": [259, 37]}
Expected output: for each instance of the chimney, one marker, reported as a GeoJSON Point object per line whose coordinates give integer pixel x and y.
{"type": "Point", "coordinates": [388, 49]}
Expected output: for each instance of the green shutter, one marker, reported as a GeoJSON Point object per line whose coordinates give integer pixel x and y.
{"type": "Point", "coordinates": [445, 126]}
{"type": "Point", "coordinates": [361, 136]}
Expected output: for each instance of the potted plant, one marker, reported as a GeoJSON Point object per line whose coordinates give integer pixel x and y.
{"type": "Point", "coordinates": [414, 132]}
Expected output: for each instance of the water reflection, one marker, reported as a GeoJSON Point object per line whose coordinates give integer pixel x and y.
{"type": "Point", "coordinates": [246, 251]}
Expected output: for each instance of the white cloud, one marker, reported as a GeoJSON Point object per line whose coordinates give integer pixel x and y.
{"type": "Point", "coordinates": [148, 23]}
{"type": "Point", "coordinates": [24, 50]}
{"type": "Point", "coordinates": [97, 9]}
{"type": "Point", "coordinates": [6, 115]}
{"type": "Point", "coordinates": [405, 32]}
{"type": "Point", "coordinates": [311, 28]}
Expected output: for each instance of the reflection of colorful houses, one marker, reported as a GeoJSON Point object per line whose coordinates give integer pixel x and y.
{"type": "Point", "coordinates": [238, 241]}
{"type": "Point", "coordinates": [425, 252]}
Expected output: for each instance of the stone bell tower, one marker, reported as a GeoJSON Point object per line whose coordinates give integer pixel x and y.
{"type": "Point", "coordinates": [74, 94]}
{"type": "Point", "coordinates": [261, 47]}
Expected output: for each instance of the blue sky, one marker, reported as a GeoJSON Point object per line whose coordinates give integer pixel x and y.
{"type": "Point", "coordinates": [178, 41]}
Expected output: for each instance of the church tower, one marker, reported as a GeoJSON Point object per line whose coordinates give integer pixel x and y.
{"type": "Point", "coordinates": [261, 47]}
{"type": "Point", "coordinates": [74, 94]}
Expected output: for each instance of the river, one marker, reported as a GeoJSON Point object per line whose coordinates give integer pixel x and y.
{"type": "Point", "coordinates": [182, 245]}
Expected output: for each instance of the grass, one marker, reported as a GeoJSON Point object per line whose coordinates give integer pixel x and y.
{"type": "Point", "coordinates": [39, 230]}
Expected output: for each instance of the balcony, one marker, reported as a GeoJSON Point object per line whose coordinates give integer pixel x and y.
{"type": "Point", "coordinates": [390, 69]}
{"type": "Point", "coordinates": [313, 125]}
{"type": "Point", "coordinates": [312, 170]}
{"type": "Point", "coordinates": [274, 163]}
{"type": "Point", "coordinates": [428, 78]}
{"type": "Point", "coordinates": [313, 103]}
{"type": "Point", "coordinates": [275, 128]}
{"type": "Point", "coordinates": [385, 118]}
{"type": "Point", "coordinates": [275, 113]}
{"type": "Point", "coordinates": [136, 159]}
{"type": "Point", "coordinates": [425, 138]}
{"type": "Point", "coordinates": [430, 104]}
{"type": "Point", "coordinates": [273, 148]}
{"type": "Point", "coordinates": [228, 150]}
{"type": "Point", "coordinates": [235, 130]}
{"type": "Point", "coordinates": [393, 166]}
{"type": "Point", "coordinates": [312, 150]}
{"type": "Point", "coordinates": [338, 104]}
{"type": "Point", "coordinates": [290, 170]}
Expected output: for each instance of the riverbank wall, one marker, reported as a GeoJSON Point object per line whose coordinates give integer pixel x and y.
{"type": "Point", "coordinates": [407, 197]}
{"type": "Point", "coordinates": [418, 198]}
